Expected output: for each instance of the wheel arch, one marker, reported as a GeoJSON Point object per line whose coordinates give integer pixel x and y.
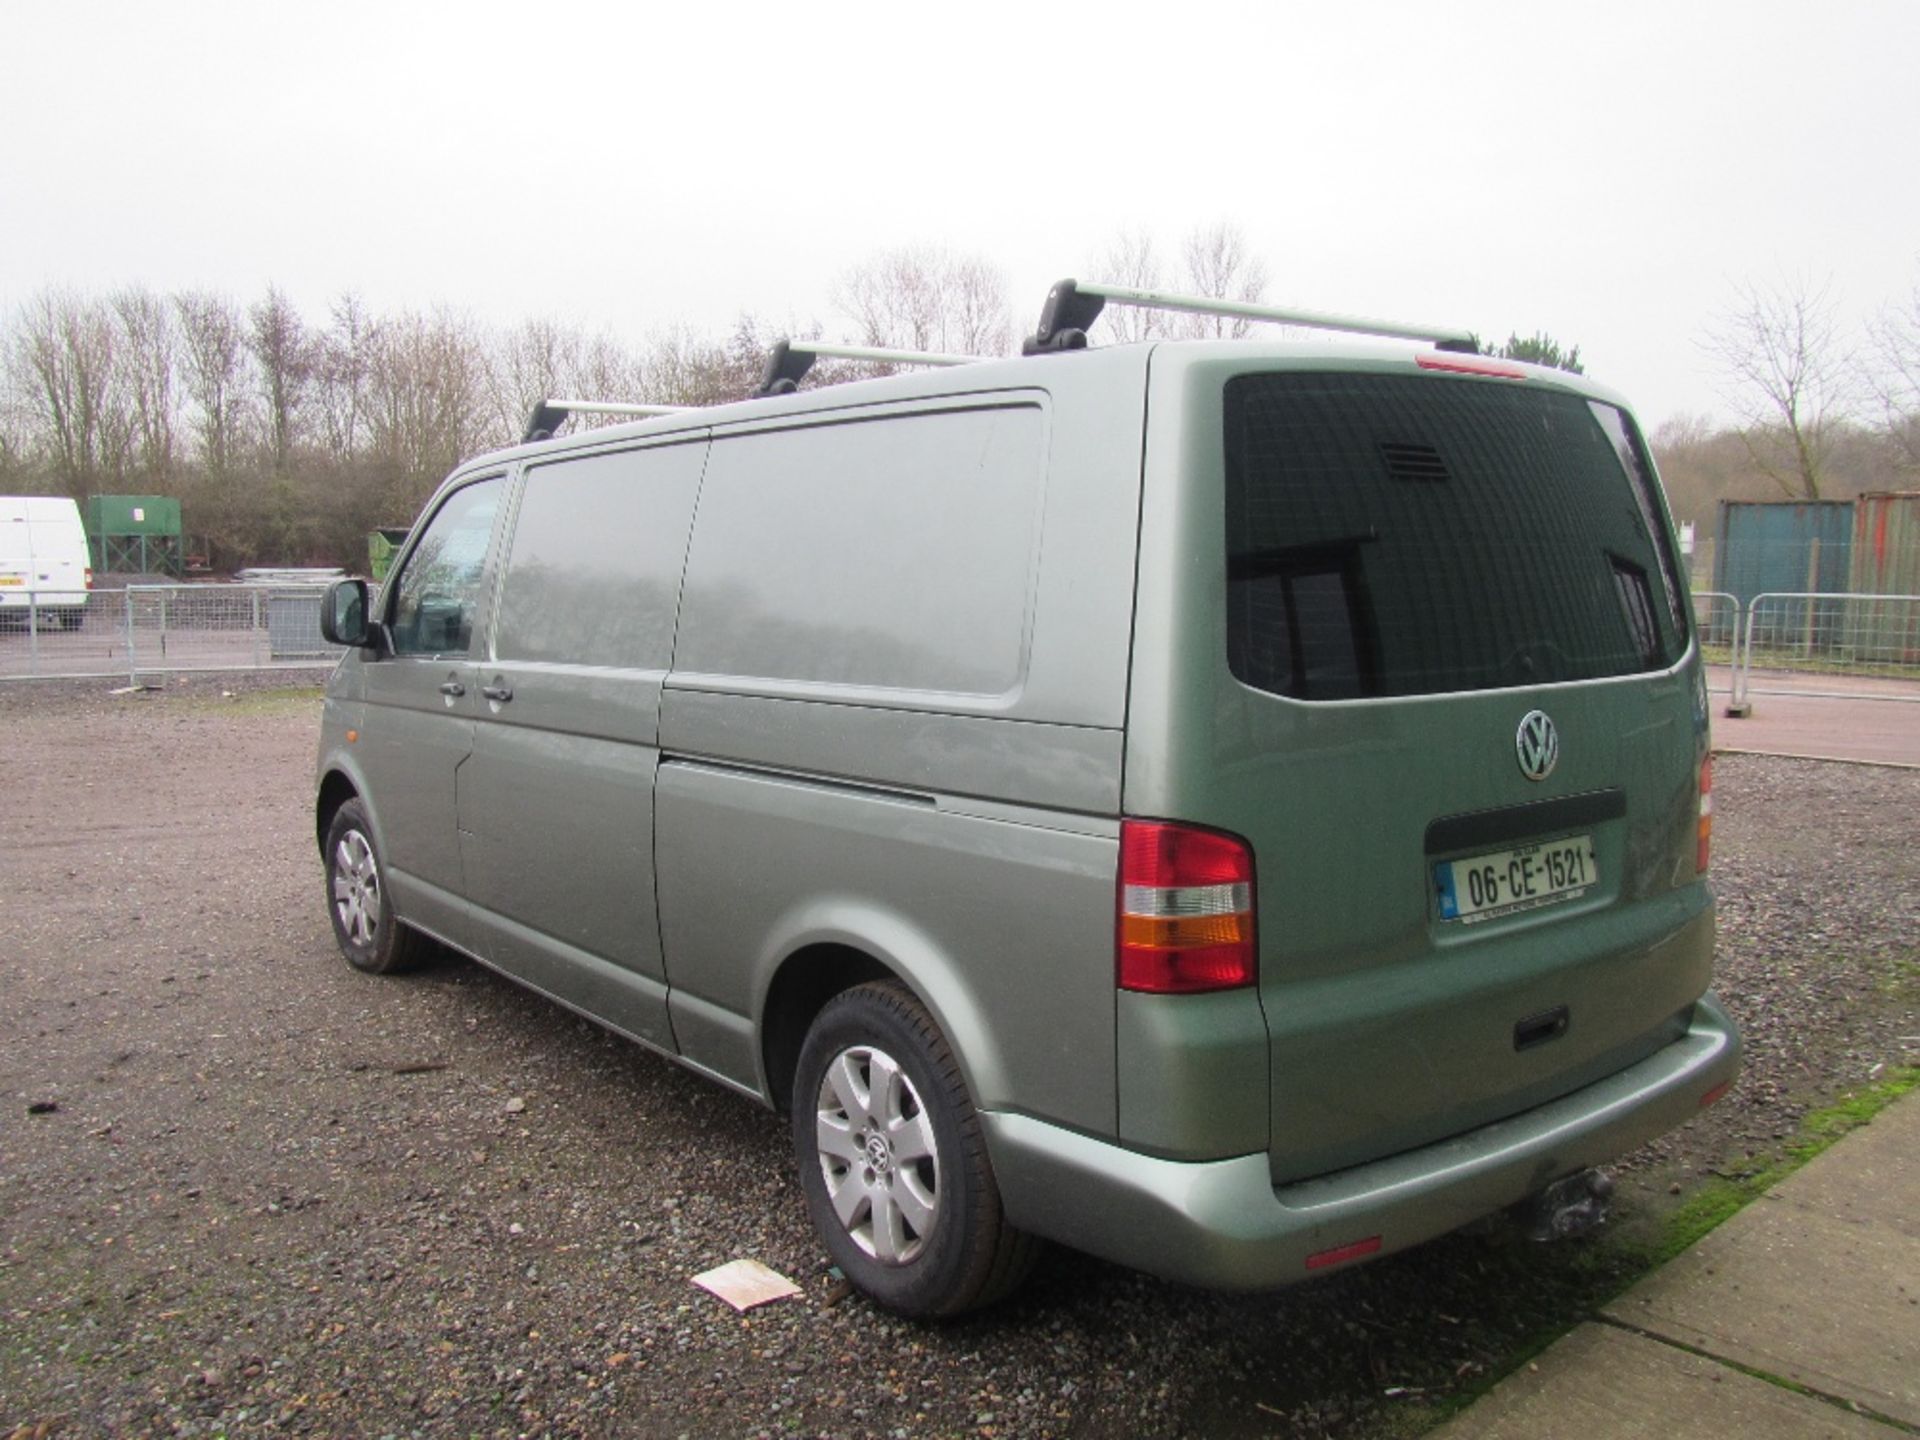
{"type": "Point", "coordinates": [336, 789]}
{"type": "Point", "coordinates": [835, 958]}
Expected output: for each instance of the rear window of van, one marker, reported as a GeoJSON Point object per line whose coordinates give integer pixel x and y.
{"type": "Point", "coordinates": [1408, 535]}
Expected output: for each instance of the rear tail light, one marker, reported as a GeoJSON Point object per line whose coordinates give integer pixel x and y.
{"type": "Point", "coordinates": [1704, 842]}
{"type": "Point", "coordinates": [1186, 910]}
{"type": "Point", "coordinates": [89, 577]}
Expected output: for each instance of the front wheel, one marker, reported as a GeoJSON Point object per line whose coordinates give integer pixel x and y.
{"type": "Point", "coordinates": [369, 935]}
{"type": "Point", "coordinates": [893, 1161]}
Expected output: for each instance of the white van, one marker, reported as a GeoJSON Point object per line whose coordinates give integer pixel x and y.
{"type": "Point", "coordinates": [43, 558]}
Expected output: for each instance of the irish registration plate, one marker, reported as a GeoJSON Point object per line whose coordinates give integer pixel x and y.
{"type": "Point", "coordinates": [1505, 882]}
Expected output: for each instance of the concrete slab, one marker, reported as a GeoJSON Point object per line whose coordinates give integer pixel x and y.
{"type": "Point", "coordinates": [1817, 1282]}
{"type": "Point", "coordinates": [1875, 1179]}
{"type": "Point", "coordinates": [1603, 1382]}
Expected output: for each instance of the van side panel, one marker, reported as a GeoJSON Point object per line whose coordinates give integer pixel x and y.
{"type": "Point", "coordinates": [1065, 767]}
{"type": "Point", "coordinates": [1002, 926]}
{"type": "Point", "coordinates": [894, 723]}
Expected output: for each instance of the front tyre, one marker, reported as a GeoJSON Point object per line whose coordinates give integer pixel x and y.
{"type": "Point", "coordinates": [369, 935]}
{"type": "Point", "coordinates": [893, 1161]}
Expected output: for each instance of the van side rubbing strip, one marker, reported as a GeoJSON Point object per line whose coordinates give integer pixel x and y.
{"type": "Point", "coordinates": [790, 777]}
{"type": "Point", "coordinates": [1521, 822]}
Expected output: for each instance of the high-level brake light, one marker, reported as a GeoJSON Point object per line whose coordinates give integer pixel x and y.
{"type": "Point", "coordinates": [1469, 365]}
{"type": "Point", "coordinates": [1185, 910]}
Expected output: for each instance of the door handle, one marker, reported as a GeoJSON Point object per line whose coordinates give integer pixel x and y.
{"type": "Point", "coordinates": [499, 692]}
{"type": "Point", "coordinates": [453, 689]}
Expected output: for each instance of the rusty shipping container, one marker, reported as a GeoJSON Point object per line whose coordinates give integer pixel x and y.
{"type": "Point", "coordinates": [1885, 561]}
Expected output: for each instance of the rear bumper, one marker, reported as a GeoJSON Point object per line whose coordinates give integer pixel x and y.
{"type": "Point", "coordinates": [13, 597]}
{"type": "Point", "coordinates": [1224, 1225]}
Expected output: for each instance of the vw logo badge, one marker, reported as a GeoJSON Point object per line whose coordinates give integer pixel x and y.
{"type": "Point", "coordinates": [1537, 744]}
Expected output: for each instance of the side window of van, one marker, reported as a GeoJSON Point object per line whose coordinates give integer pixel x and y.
{"type": "Point", "coordinates": [890, 554]}
{"type": "Point", "coordinates": [598, 543]}
{"type": "Point", "coordinates": [436, 594]}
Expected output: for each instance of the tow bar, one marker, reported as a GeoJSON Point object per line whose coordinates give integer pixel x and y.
{"type": "Point", "coordinates": [1569, 1207]}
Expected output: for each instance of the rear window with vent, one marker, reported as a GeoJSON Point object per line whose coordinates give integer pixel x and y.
{"type": "Point", "coordinates": [1407, 535]}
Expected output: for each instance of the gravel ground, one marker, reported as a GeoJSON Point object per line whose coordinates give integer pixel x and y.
{"type": "Point", "coordinates": [274, 1196]}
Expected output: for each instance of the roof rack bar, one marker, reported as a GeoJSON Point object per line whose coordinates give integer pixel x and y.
{"type": "Point", "coordinates": [789, 360]}
{"type": "Point", "coordinates": [1073, 306]}
{"type": "Point", "coordinates": [615, 407]}
{"type": "Point", "coordinates": [895, 357]}
{"type": "Point", "coordinates": [549, 415]}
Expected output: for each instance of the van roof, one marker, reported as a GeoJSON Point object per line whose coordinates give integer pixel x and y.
{"type": "Point", "coordinates": [1038, 371]}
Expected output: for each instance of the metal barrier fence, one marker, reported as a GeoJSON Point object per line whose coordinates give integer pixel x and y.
{"type": "Point", "coordinates": [150, 629]}
{"type": "Point", "coordinates": [1830, 643]}
{"type": "Point", "coordinates": [1716, 619]}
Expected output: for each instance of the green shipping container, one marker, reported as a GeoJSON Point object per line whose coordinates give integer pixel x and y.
{"type": "Point", "coordinates": [382, 545]}
{"type": "Point", "coordinates": [134, 534]}
{"type": "Point", "coordinates": [133, 515]}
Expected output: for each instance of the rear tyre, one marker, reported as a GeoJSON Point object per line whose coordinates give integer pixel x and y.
{"type": "Point", "coordinates": [369, 935]}
{"type": "Point", "coordinates": [893, 1161]}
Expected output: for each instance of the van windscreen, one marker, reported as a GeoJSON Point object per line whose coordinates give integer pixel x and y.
{"type": "Point", "coordinates": [1409, 535]}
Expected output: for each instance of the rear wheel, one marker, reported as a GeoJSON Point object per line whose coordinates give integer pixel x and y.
{"type": "Point", "coordinates": [893, 1161]}
{"type": "Point", "coordinates": [363, 920]}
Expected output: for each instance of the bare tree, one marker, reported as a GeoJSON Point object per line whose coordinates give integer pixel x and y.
{"type": "Point", "coordinates": [284, 361]}
{"type": "Point", "coordinates": [345, 360]}
{"type": "Point", "coordinates": [1218, 265]}
{"type": "Point", "coordinates": [63, 355]}
{"type": "Point", "coordinates": [1131, 259]}
{"type": "Point", "coordinates": [1894, 377]}
{"type": "Point", "coordinates": [601, 368]}
{"type": "Point", "coordinates": [680, 366]}
{"type": "Point", "coordinates": [533, 361]}
{"type": "Point", "coordinates": [927, 298]}
{"type": "Point", "coordinates": [213, 339]}
{"type": "Point", "coordinates": [426, 399]}
{"type": "Point", "coordinates": [149, 349]}
{"type": "Point", "coordinates": [1789, 375]}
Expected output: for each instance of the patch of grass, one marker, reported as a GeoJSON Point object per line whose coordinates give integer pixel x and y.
{"type": "Point", "coordinates": [1804, 663]}
{"type": "Point", "coordinates": [290, 700]}
{"type": "Point", "coordinates": [1723, 1196]}
{"type": "Point", "coordinates": [1903, 980]}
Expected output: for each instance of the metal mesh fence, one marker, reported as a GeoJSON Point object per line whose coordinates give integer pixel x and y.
{"type": "Point", "coordinates": [1835, 634]}
{"type": "Point", "coordinates": [149, 629]}
{"type": "Point", "coordinates": [1833, 644]}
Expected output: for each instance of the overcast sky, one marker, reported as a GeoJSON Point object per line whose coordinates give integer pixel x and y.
{"type": "Point", "coordinates": [1606, 173]}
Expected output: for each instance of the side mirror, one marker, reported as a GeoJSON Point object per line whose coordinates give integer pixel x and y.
{"type": "Point", "coordinates": [343, 614]}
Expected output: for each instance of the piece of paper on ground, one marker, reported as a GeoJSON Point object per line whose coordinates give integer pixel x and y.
{"type": "Point", "coordinates": [744, 1284]}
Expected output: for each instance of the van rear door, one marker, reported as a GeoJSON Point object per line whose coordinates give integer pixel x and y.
{"type": "Point", "coordinates": [1418, 636]}
{"type": "Point", "coordinates": [62, 571]}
